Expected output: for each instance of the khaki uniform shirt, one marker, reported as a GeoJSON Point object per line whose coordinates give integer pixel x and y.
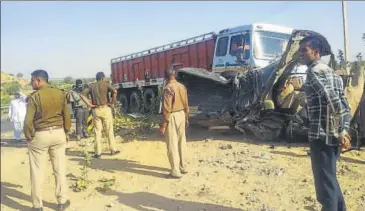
{"type": "Point", "coordinates": [175, 98]}
{"type": "Point", "coordinates": [47, 107]}
{"type": "Point", "coordinates": [99, 93]}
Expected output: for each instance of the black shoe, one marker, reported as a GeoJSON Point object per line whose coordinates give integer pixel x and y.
{"type": "Point", "coordinates": [97, 156]}
{"type": "Point", "coordinates": [62, 207]}
{"type": "Point", "coordinates": [114, 152]}
{"type": "Point", "coordinates": [37, 209]}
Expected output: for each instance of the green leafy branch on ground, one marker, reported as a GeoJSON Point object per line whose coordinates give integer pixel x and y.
{"type": "Point", "coordinates": [137, 128]}
{"type": "Point", "coordinates": [106, 184]}
{"type": "Point", "coordinates": [83, 181]}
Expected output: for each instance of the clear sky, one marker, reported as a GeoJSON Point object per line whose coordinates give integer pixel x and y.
{"type": "Point", "coordinates": [78, 39]}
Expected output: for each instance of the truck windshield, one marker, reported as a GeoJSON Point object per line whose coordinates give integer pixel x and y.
{"type": "Point", "coordinates": [269, 45]}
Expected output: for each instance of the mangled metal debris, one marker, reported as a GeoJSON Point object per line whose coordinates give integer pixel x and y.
{"type": "Point", "coordinates": [253, 104]}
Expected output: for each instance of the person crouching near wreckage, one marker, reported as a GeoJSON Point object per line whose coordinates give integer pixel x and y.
{"type": "Point", "coordinates": [329, 122]}
{"type": "Point", "coordinates": [175, 120]}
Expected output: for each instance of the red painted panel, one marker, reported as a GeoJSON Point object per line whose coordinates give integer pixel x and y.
{"type": "Point", "coordinates": [210, 54]}
{"type": "Point", "coordinates": [125, 72]}
{"type": "Point", "coordinates": [119, 72]}
{"type": "Point", "coordinates": [161, 64]}
{"type": "Point", "coordinates": [114, 72]}
{"type": "Point", "coordinates": [192, 56]}
{"type": "Point", "coordinates": [154, 67]}
{"type": "Point", "coordinates": [147, 63]}
{"type": "Point", "coordinates": [195, 55]}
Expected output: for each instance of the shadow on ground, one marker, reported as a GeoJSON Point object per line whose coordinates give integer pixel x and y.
{"type": "Point", "coordinates": [343, 158]}
{"type": "Point", "coordinates": [14, 143]}
{"type": "Point", "coordinates": [112, 165]}
{"type": "Point", "coordinates": [144, 201]}
{"type": "Point", "coordinates": [10, 191]}
{"type": "Point", "coordinates": [196, 133]}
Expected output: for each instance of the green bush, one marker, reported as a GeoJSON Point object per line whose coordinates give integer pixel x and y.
{"type": "Point", "coordinates": [11, 88]}
{"type": "Point", "coordinates": [5, 99]}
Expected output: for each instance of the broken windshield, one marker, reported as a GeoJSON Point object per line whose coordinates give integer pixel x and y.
{"type": "Point", "coordinates": [269, 45]}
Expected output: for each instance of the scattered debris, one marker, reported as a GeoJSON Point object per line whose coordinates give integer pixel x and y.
{"type": "Point", "coordinates": [225, 147]}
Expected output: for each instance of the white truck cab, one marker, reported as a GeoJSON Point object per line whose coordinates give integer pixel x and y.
{"type": "Point", "coordinates": [259, 45]}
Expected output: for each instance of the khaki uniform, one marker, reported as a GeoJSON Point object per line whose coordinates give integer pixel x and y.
{"type": "Point", "coordinates": [46, 121]}
{"type": "Point", "coordinates": [102, 114]}
{"type": "Point", "coordinates": [175, 111]}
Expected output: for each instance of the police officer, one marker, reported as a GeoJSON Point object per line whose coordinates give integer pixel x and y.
{"type": "Point", "coordinates": [81, 110]}
{"type": "Point", "coordinates": [175, 119]}
{"type": "Point", "coordinates": [101, 106]}
{"type": "Point", "coordinates": [46, 123]}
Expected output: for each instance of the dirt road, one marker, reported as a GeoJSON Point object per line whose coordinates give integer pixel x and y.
{"type": "Point", "coordinates": [225, 174]}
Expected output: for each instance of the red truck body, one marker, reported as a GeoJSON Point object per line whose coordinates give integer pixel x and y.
{"type": "Point", "coordinates": [188, 53]}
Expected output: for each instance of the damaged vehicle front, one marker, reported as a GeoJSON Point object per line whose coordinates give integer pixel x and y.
{"type": "Point", "coordinates": [268, 103]}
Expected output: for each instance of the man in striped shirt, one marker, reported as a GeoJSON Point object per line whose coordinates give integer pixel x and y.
{"type": "Point", "coordinates": [329, 122]}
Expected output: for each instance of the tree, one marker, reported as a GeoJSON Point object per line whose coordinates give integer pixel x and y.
{"type": "Point", "coordinates": [363, 37]}
{"type": "Point", "coordinates": [68, 80]}
{"type": "Point", "coordinates": [19, 75]}
{"type": "Point", "coordinates": [12, 87]}
{"type": "Point", "coordinates": [359, 56]}
{"type": "Point", "coordinates": [341, 58]}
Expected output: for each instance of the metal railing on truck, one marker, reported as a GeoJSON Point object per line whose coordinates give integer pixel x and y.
{"type": "Point", "coordinates": [163, 48]}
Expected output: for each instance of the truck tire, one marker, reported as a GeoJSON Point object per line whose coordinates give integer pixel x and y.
{"type": "Point", "coordinates": [148, 99]}
{"type": "Point", "coordinates": [229, 74]}
{"type": "Point", "coordinates": [134, 102]}
{"type": "Point", "coordinates": [123, 100]}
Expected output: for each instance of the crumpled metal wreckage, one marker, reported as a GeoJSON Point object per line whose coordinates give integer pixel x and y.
{"type": "Point", "coordinates": [252, 103]}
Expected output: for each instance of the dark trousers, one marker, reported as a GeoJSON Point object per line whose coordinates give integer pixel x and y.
{"type": "Point", "coordinates": [81, 115]}
{"type": "Point", "coordinates": [328, 191]}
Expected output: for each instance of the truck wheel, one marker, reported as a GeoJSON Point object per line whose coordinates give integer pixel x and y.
{"type": "Point", "coordinates": [124, 103]}
{"type": "Point", "coordinates": [134, 102]}
{"type": "Point", "coordinates": [148, 99]}
{"type": "Point", "coordinates": [229, 74]}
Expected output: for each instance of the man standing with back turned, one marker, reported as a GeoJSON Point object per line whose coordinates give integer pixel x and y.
{"type": "Point", "coordinates": [102, 112]}
{"type": "Point", "coordinates": [175, 120]}
{"type": "Point", "coordinates": [329, 122]}
{"type": "Point", "coordinates": [46, 123]}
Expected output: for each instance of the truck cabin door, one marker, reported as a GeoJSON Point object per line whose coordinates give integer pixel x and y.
{"type": "Point", "coordinates": [232, 52]}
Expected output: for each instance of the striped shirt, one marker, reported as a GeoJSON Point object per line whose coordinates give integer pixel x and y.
{"type": "Point", "coordinates": [328, 110]}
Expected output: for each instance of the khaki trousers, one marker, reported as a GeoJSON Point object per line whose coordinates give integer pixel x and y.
{"type": "Point", "coordinates": [176, 143]}
{"type": "Point", "coordinates": [51, 142]}
{"type": "Point", "coordinates": [103, 119]}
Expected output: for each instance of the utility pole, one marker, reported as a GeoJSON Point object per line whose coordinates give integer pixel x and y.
{"type": "Point", "coordinates": [346, 44]}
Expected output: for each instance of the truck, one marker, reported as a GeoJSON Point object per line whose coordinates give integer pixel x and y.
{"type": "Point", "coordinates": [252, 100]}
{"type": "Point", "coordinates": [138, 76]}
{"type": "Point", "coordinates": [263, 104]}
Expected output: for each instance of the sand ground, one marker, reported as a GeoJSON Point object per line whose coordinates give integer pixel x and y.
{"type": "Point", "coordinates": [226, 173]}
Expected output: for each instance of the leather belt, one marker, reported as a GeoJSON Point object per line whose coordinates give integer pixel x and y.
{"type": "Point", "coordinates": [101, 106]}
{"type": "Point", "coordinates": [176, 111]}
{"type": "Point", "coordinates": [48, 128]}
